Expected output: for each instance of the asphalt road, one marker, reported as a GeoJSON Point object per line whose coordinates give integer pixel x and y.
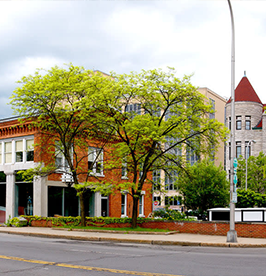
{"type": "Point", "coordinates": [23, 255]}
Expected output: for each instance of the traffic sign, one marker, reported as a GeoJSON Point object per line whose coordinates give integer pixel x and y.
{"type": "Point", "coordinates": [234, 197]}
{"type": "Point", "coordinates": [235, 162]}
{"type": "Point", "coordinates": [156, 203]}
{"type": "Point", "coordinates": [235, 179]}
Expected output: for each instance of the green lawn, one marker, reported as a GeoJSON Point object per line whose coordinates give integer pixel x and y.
{"type": "Point", "coordinates": [125, 229]}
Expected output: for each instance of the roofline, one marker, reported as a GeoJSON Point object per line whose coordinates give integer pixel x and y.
{"type": "Point", "coordinates": [9, 119]}
{"type": "Point", "coordinates": [214, 93]}
{"type": "Point", "coordinates": [101, 72]}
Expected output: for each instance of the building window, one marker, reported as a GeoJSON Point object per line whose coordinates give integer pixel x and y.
{"type": "Point", "coordinates": [171, 200]}
{"type": "Point", "coordinates": [170, 178]}
{"type": "Point", "coordinates": [133, 108]}
{"type": "Point", "coordinates": [248, 123]}
{"type": "Point", "coordinates": [124, 170]}
{"type": "Point", "coordinates": [58, 156]}
{"type": "Point", "coordinates": [229, 122]}
{"type": "Point", "coordinates": [238, 149]}
{"type": "Point", "coordinates": [157, 199]}
{"type": "Point", "coordinates": [19, 150]}
{"type": "Point", "coordinates": [212, 114]}
{"type": "Point", "coordinates": [29, 150]}
{"type": "Point", "coordinates": [8, 152]}
{"type": "Point", "coordinates": [191, 156]}
{"type": "Point", "coordinates": [238, 122]}
{"type": "Point", "coordinates": [60, 160]}
{"type": "Point", "coordinates": [16, 151]}
{"type": "Point", "coordinates": [141, 206]}
{"type": "Point", "coordinates": [123, 205]}
{"type": "Point", "coordinates": [156, 180]}
{"type": "Point", "coordinates": [95, 160]}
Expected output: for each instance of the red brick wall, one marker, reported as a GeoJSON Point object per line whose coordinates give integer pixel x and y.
{"type": "Point", "coordinates": [115, 203]}
{"type": "Point", "coordinates": [2, 216]}
{"type": "Point", "coordinates": [244, 229]}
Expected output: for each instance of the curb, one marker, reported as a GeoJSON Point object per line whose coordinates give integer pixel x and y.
{"type": "Point", "coordinates": [138, 241]}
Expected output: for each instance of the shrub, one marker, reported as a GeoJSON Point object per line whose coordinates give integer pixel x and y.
{"type": "Point", "coordinates": [248, 199]}
{"type": "Point", "coordinates": [169, 214]}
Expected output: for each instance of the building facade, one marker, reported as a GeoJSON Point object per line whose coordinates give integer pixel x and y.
{"type": "Point", "coordinates": [170, 197]}
{"type": "Point", "coordinates": [21, 149]}
{"type": "Point", "coordinates": [250, 123]}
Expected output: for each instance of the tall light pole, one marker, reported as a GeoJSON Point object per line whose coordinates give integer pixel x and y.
{"type": "Point", "coordinates": [248, 145]}
{"type": "Point", "coordinates": [231, 234]}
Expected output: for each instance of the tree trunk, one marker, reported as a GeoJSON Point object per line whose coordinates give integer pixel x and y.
{"type": "Point", "coordinates": [135, 211]}
{"type": "Point", "coordinates": [82, 209]}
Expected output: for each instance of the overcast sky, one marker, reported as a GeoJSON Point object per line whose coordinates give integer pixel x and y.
{"type": "Point", "coordinates": [193, 36]}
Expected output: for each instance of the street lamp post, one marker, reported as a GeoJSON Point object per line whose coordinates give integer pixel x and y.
{"type": "Point", "coordinates": [231, 234]}
{"type": "Point", "coordinates": [248, 145]}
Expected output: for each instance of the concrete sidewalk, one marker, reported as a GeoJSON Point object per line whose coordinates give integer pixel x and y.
{"type": "Point", "coordinates": [144, 238]}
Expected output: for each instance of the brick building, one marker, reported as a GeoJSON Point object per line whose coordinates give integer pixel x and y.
{"type": "Point", "coordinates": [48, 196]}
{"type": "Point", "coordinates": [250, 122]}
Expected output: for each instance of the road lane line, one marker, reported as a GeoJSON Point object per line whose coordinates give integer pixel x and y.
{"type": "Point", "coordinates": [26, 260]}
{"type": "Point", "coordinates": [117, 271]}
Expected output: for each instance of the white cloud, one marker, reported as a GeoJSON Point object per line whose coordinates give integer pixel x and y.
{"type": "Point", "coordinates": [27, 66]}
{"type": "Point", "coordinates": [193, 36]}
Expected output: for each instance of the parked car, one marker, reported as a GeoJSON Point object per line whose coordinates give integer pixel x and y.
{"type": "Point", "coordinates": [195, 213]}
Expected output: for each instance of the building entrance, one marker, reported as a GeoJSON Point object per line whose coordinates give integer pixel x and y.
{"type": "Point", "coordinates": [24, 199]}
{"type": "Point", "coordinates": [63, 201]}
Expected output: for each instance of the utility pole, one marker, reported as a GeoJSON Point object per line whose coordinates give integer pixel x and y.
{"type": "Point", "coordinates": [231, 234]}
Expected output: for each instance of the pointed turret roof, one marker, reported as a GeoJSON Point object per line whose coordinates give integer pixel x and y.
{"type": "Point", "coordinates": [245, 92]}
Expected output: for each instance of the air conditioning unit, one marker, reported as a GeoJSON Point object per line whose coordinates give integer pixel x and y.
{"type": "Point", "coordinates": [67, 178]}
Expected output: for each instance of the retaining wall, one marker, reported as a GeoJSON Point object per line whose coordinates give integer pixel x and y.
{"type": "Point", "coordinates": [244, 229]}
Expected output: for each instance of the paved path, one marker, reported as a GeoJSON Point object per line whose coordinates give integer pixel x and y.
{"type": "Point", "coordinates": [156, 238]}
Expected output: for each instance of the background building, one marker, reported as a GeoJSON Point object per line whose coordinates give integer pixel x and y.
{"type": "Point", "coordinates": [171, 196]}
{"type": "Point", "coordinates": [250, 122]}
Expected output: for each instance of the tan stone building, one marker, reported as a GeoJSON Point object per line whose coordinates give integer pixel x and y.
{"type": "Point", "coordinates": [170, 197]}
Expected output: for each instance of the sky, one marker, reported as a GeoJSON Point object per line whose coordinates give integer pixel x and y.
{"type": "Point", "coordinates": [193, 36]}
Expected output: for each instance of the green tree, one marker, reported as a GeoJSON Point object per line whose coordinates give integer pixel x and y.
{"type": "Point", "coordinates": [155, 116]}
{"type": "Point", "coordinates": [203, 186]}
{"type": "Point", "coordinates": [249, 199]}
{"type": "Point", "coordinates": [49, 100]}
{"type": "Point", "coordinates": [256, 180]}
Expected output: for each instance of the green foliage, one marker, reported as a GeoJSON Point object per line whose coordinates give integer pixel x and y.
{"type": "Point", "coordinates": [168, 214]}
{"type": "Point", "coordinates": [49, 101]}
{"type": "Point", "coordinates": [204, 186]}
{"type": "Point", "coordinates": [248, 199]}
{"type": "Point", "coordinates": [154, 115]}
{"type": "Point", "coordinates": [256, 180]}
{"type": "Point", "coordinates": [149, 116]}
{"type": "Point", "coordinates": [15, 222]}
{"type": "Point", "coordinates": [73, 222]}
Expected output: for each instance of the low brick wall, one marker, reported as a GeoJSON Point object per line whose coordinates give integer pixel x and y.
{"type": "Point", "coordinates": [244, 229]}
{"type": "Point", "coordinates": [2, 216]}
